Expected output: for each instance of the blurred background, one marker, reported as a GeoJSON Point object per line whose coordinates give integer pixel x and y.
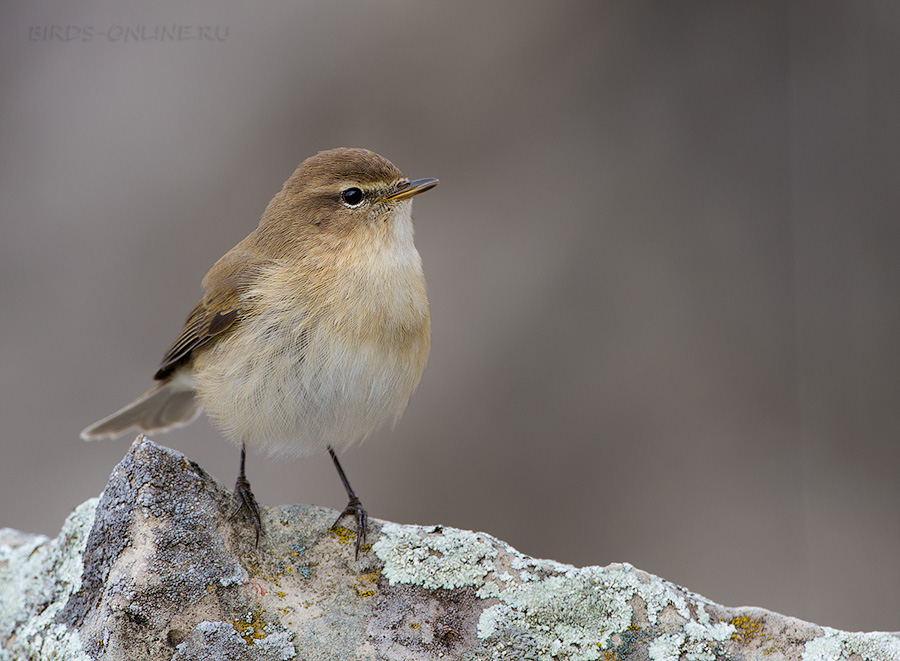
{"type": "Point", "coordinates": [662, 263]}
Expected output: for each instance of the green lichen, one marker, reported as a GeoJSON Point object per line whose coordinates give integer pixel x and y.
{"type": "Point", "coordinates": [450, 559]}
{"type": "Point", "coordinates": [50, 572]}
{"type": "Point", "coordinates": [555, 611]}
{"type": "Point", "coordinates": [834, 644]}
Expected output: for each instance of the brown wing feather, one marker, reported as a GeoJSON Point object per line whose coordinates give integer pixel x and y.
{"type": "Point", "coordinates": [218, 310]}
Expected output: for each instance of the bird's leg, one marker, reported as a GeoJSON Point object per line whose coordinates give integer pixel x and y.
{"type": "Point", "coordinates": [246, 499]}
{"type": "Point", "coordinates": [354, 507]}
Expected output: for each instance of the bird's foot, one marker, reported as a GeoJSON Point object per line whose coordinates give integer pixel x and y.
{"type": "Point", "coordinates": [355, 509]}
{"type": "Point", "coordinates": [247, 501]}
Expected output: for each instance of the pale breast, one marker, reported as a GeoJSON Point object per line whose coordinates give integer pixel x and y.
{"type": "Point", "coordinates": [296, 380]}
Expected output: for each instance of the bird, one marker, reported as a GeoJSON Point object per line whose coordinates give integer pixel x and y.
{"type": "Point", "coordinates": [311, 333]}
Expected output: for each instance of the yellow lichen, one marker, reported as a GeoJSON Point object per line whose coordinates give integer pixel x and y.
{"type": "Point", "coordinates": [366, 583]}
{"type": "Point", "coordinates": [746, 629]}
{"type": "Point", "coordinates": [251, 627]}
{"type": "Point", "coordinates": [345, 536]}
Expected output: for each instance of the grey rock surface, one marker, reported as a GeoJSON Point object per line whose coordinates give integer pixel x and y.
{"type": "Point", "coordinates": [156, 568]}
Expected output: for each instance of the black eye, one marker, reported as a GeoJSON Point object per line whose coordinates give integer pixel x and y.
{"type": "Point", "coordinates": [352, 196]}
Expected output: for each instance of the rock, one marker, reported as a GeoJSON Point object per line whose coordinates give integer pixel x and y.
{"type": "Point", "coordinates": [157, 568]}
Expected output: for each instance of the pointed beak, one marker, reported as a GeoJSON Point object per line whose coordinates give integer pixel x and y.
{"type": "Point", "coordinates": [406, 189]}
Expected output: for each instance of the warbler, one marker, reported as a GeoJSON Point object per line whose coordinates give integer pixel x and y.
{"type": "Point", "coordinates": [311, 332]}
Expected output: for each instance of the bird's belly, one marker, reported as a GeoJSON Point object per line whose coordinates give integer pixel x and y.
{"type": "Point", "coordinates": [300, 388]}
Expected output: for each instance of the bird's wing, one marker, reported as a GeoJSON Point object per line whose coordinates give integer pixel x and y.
{"type": "Point", "coordinates": [218, 310]}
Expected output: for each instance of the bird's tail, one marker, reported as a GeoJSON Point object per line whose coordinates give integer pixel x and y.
{"type": "Point", "coordinates": [170, 404]}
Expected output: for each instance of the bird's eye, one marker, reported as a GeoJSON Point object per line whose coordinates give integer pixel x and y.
{"type": "Point", "coordinates": [352, 197]}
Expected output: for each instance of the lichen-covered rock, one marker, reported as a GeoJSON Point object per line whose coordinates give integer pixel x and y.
{"type": "Point", "coordinates": [157, 568]}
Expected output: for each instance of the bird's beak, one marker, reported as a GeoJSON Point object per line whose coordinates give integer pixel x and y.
{"type": "Point", "coordinates": [407, 189]}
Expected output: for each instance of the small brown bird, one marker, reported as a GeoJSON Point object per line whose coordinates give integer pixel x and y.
{"type": "Point", "coordinates": [311, 333]}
